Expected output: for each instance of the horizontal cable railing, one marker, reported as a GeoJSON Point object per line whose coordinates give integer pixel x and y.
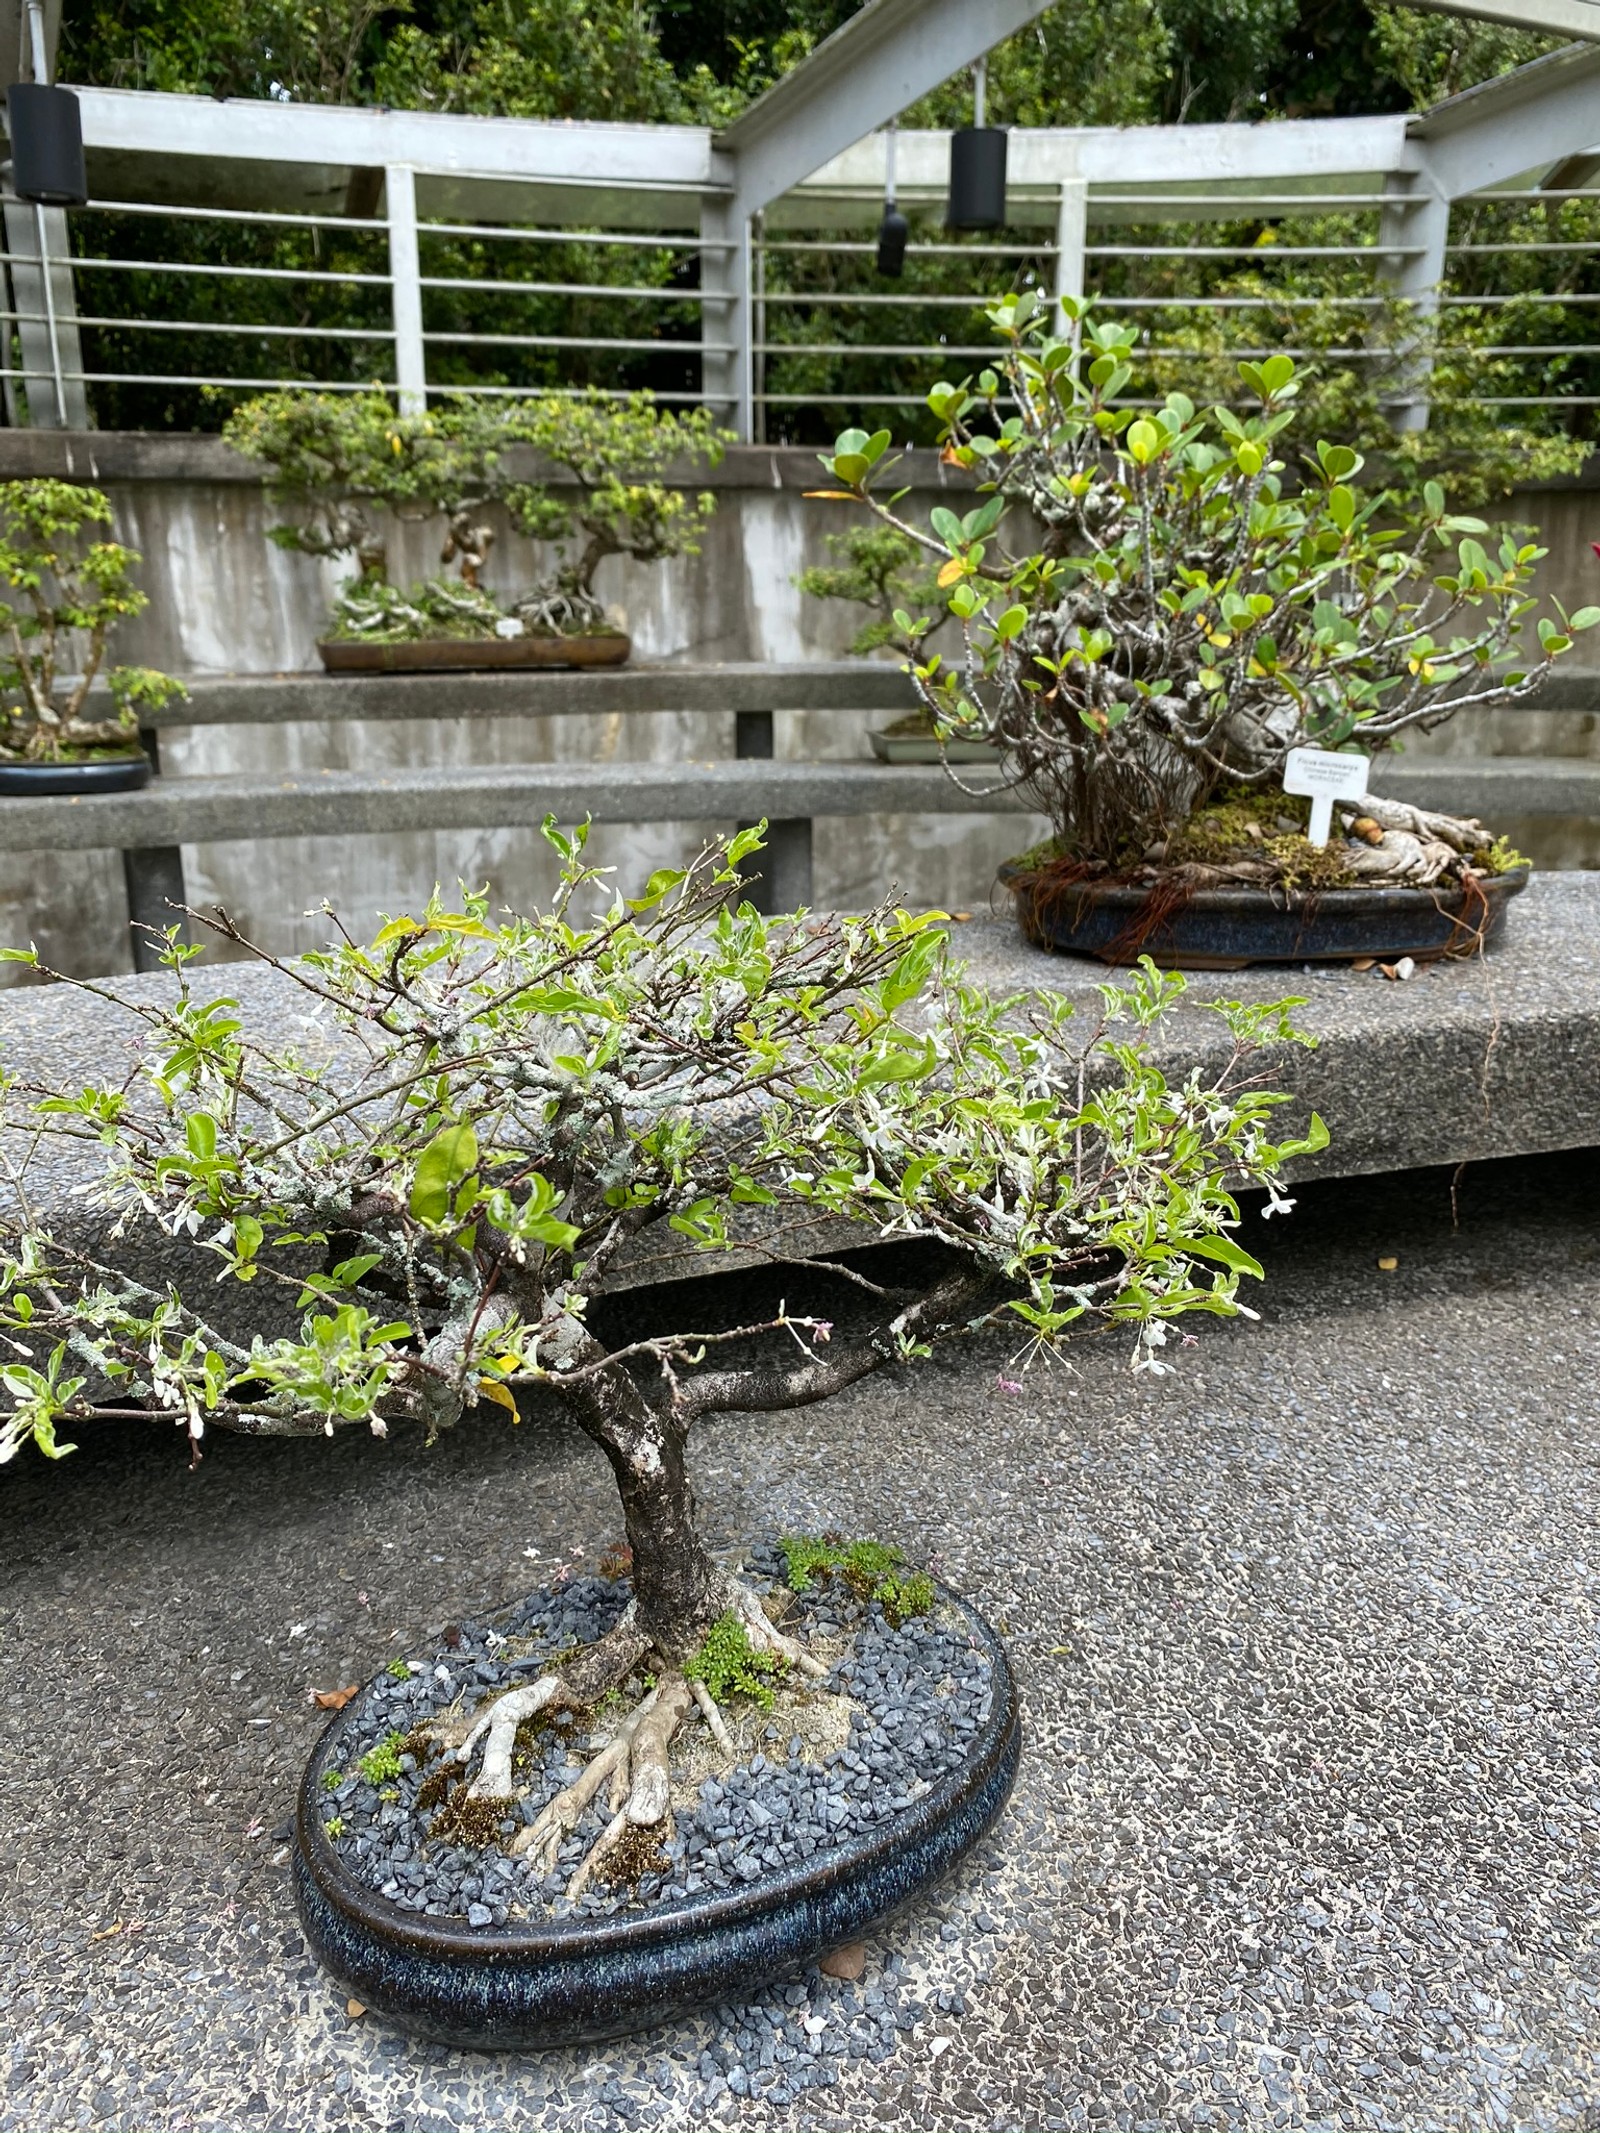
{"type": "Point", "coordinates": [500, 308]}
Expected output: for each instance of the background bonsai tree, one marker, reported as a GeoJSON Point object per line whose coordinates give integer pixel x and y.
{"type": "Point", "coordinates": [69, 591]}
{"type": "Point", "coordinates": [513, 1102]}
{"type": "Point", "coordinates": [615, 452]}
{"type": "Point", "coordinates": [338, 460]}
{"type": "Point", "coordinates": [1154, 610]}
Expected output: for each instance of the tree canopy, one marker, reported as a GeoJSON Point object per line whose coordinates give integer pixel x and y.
{"type": "Point", "coordinates": [1095, 62]}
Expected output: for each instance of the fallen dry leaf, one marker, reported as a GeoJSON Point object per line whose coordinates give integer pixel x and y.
{"type": "Point", "coordinates": [1364, 962]}
{"type": "Point", "coordinates": [848, 1962]}
{"type": "Point", "coordinates": [335, 1699]}
{"type": "Point", "coordinates": [1387, 1264]}
{"type": "Point", "coordinates": [354, 2009]}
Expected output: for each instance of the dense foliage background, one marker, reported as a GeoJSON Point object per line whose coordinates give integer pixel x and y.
{"type": "Point", "coordinates": [1098, 62]}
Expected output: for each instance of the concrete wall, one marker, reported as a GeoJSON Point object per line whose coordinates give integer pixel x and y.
{"type": "Point", "coordinates": [225, 599]}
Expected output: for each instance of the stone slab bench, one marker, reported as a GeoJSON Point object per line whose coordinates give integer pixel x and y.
{"type": "Point", "coordinates": [1497, 1055]}
{"type": "Point", "coordinates": [151, 827]}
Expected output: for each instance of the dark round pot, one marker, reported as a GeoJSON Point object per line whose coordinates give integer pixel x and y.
{"type": "Point", "coordinates": [1225, 929]}
{"type": "Point", "coordinates": [582, 1980]}
{"type": "Point", "coordinates": [120, 773]}
{"type": "Point", "coordinates": [434, 655]}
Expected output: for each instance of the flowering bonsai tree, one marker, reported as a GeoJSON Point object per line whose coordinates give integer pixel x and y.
{"type": "Point", "coordinates": [1155, 610]}
{"type": "Point", "coordinates": [513, 1103]}
{"type": "Point", "coordinates": [614, 452]}
{"type": "Point", "coordinates": [70, 589]}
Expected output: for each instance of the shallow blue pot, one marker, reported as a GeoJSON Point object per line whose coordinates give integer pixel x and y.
{"type": "Point", "coordinates": [582, 1980]}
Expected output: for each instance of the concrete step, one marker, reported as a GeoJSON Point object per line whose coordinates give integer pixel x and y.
{"type": "Point", "coordinates": [272, 699]}
{"type": "Point", "coordinates": [1491, 1056]}
{"type": "Point", "coordinates": [328, 803]}
{"type": "Point", "coordinates": [1493, 785]}
{"type": "Point", "coordinates": [325, 803]}
{"type": "Point", "coordinates": [812, 685]}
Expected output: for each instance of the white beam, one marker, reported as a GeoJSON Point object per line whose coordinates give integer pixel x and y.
{"type": "Point", "coordinates": [1304, 152]}
{"type": "Point", "coordinates": [1519, 123]}
{"type": "Point", "coordinates": [866, 73]}
{"type": "Point", "coordinates": [1545, 18]}
{"type": "Point", "coordinates": [577, 151]}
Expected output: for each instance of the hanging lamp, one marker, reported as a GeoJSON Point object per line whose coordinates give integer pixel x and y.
{"type": "Point", "coordinates": [45, 129]}
{"type": "Point", "coordinates": [893, 231]}
{"type": "Point", "coordinates": [978, 166]}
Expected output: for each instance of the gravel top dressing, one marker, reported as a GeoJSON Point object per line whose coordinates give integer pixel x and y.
{"type": "Point", "coordinates": [824, 1764]}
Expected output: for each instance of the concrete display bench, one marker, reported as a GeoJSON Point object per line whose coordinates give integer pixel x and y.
{"type": "Point", "coordinates": [1495, 1056]}
{"type": "Point", "coordinates": [151, 827]}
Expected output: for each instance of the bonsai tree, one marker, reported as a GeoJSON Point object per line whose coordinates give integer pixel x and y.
{"type": "Point", "coordinates": [1155, 610]}
{"type": "Point", "coordinates": [615, 451]}
{"type": "Point", "coordinates": [338, 459]}
{"type": "Point", "coordinates": [70, 590]}
{"type": "Point", "coordinates": [515, 1101]}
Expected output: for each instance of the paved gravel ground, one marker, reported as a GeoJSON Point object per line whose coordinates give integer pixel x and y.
{"type": "Point", "coordinates": [1309, 1811]}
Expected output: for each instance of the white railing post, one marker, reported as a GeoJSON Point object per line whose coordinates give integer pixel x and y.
{"type": "Point", "coordinates": [1072, 230]}
{"type": "Point", "coordinates": [1417, 234]}
{"type": "Point", "coordinates": [405, 289]}
{"type": "Point", "coordinates": [727, 370]}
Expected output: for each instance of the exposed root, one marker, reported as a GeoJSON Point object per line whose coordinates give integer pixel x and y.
{"type": "Point", "coordinates": [499, 1723]}
{"type": "Point", "coordinates": [1418, 847]}
{"type": "Point", "coordinates": [631, 1770]}
{"type": "Point", "coordinates": [712, 1716]}
{"type": "Point", "coordinates": [766, 1637]}
{"type": "Point", "coordinates": [634, 1765]}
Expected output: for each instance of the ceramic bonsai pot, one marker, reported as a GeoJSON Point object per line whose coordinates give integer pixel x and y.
{"type": "Point", "coordinates": [532, 1986]}
{"type": "Point", "coordinates": [120, 773]}
{"type": "Point", "coordinates": [433, 655]}
{"type": "Point", "coordinates": [1226, 929]}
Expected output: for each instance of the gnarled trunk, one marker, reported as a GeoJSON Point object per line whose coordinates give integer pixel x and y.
{"type": "Point", "coordinates": [678, 1589]}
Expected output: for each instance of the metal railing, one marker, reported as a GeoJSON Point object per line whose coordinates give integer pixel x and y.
{"type": "Point", "coordinates": [432, 307]}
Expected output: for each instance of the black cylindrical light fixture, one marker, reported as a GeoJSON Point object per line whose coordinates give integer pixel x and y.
{"type": "Point", "coordinates": [46, 132]}
{"type": "Point", "coordinates": [977, 178]}
{"type": "Point", "coordinates": [893, 233]}
{"type": "Point", "coordinates": [978, 166]}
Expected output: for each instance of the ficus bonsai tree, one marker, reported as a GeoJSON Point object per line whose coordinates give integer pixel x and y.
{"type": "Point", "coordinates": [69, 589]}
{"type": "Point", "coordinates": [615, 451]}
{"type": "Point", "coordinates": [513, 1102]}
{"type": "Point", "coordinates": [1155, 609]}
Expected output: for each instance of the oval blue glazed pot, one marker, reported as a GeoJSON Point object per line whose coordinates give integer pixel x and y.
{"type": "Point", "coordinates": [114, 773]}
{"type": "Point", "coordinates": [1226, 929]}
{"type": "Point", "coordinates": [580, 1981]}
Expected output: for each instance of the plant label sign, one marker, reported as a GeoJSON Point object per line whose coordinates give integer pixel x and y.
{"type": "Point", "coordinates": [1321, 776]}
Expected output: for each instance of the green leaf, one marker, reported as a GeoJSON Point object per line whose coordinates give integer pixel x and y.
{"type": "Point", "coordinates": [200, 1131]}
{"type": "Point", "coordinates": [450, 1156]}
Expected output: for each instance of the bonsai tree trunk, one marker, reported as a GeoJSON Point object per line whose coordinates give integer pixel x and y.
{"type": "Point", "coordinates": [680, 1592]}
